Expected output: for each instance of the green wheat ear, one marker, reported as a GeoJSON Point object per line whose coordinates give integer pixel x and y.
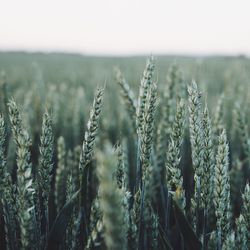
{"type": "Point", "coordinates": [7, 195]}
{"type": "Point", "coordinates": [92, 127]}
{"type": "Point", "coordinates": [246, 210]}
{"type": "Point", "coordinates": [196, 139]}
{"type": "Point", "coordinates": [147, 129]}
{"type": "Point", "coordinates": [173, 158]}
{"type": "Point", "coordinates": [222, 187]}
{"type": "Point", "coordinates": [241, 233]}
{"type": "Point", "coordinates": [207, 184]}
{"type": "Point", "coordinates": [148, 171]}
{"type": "Point", "coordinates": [242, 129]}
{"type": "Point", "coordinates": [95, 238]}
{"type": "Point", "coordinates": [44, 175]}
{"type": "Point", "coordinates": [195, 123]}
{"type": "Point", "coordinates": [46, 158]}
{"type": "Point", "coordinates": [230, 242]}
{"type": "Point", "coordinates": [146, 83]}
{"type": "Point", "coordinates": [25, 190]}
{"type": "Point", "coordinates": [121, 172]}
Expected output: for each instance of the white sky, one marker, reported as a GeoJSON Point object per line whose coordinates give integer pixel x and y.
{"type": "Point", "coordinates": [126, 26]}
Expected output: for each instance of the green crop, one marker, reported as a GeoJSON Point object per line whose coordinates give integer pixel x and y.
{"type": "Point", "coordinates": [84, 164]}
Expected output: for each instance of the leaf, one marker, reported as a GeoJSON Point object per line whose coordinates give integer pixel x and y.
{"type": "Point", "coordinates": [164, 238]}
{"type": "Point", "coordinates": [190, 239]}
{"type": "Point", "coordinates": [59, 227]}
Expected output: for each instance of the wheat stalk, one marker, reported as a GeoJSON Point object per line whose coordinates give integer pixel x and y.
{"type": "Point", "coordinates": [246, 210]}
{"type": "Point", "coordinates": [222, 188]}
{"type": "Point", "coordinates": [174, 176]}
{"type": "Point", "coordinates": [146, 83]}
{"type": "Point", "coordinates": [46, 158]}
{"type": "Point", "coordinates": [25, 188]}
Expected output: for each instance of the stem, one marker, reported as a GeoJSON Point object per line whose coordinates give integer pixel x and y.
{"type": "Point", "coordinates": [141, 227]}
{"type": "Point", "coordinates": [204, 229]}
{"type": "Point", "coordinates": [169, 204]}
{"type": "Point", "coordinates": [47, 225]}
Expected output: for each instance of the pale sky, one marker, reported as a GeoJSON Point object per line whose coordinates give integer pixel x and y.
{"type": "Point", "coordinates": [126, 27]}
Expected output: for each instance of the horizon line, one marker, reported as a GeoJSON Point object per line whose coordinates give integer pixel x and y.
{"type": "Point", "coordinates": [122, 54]}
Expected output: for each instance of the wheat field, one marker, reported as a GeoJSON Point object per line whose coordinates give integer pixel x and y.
{"type": "Point", "coordinates": [124, 153]}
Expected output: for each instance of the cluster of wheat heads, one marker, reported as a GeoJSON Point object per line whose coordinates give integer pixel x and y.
{"type": "Point", "coordinates": [138, 193]}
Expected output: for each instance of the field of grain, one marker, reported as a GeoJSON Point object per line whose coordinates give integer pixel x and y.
{"type": "Point", "coordinates": [124, 153]}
